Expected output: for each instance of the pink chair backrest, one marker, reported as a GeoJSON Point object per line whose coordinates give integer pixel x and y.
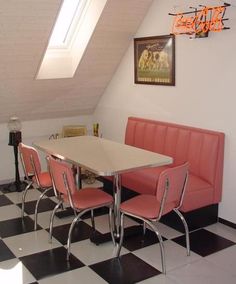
{"type": "Point", "coordinates": [30, 160]}
{"type": "Point", "coordinates": [171, 187]}
{"type": "Point", "coordinates": [62, 176]}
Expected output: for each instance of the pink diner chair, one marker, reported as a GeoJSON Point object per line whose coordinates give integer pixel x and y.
{"type": "Point", "coordinates": [80, 200]}
{"type": "Point", "coordinates": [150, 208]}
{"type": "Point", "coordinates": [34, 177]}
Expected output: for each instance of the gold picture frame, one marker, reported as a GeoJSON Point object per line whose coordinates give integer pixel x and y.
{"type": "Point", "coordinates": [74, 130]}
{"type": "Point", "coordinates": [154, 60]}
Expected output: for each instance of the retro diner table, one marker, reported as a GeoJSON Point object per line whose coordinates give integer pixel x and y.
{"type": "Point", "coordinates": [104, 158]}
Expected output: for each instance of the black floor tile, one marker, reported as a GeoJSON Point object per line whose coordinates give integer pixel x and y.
{"type": "Point", "coordinates": [11, 187]}
{"type": "Point", "coordinates": [50, 193]}
{"type": "Point", "coordinates": [68, 211]}
{"type": "Point", "coordinates": [45, 204]}
{"type": "Point", "coordinates": [5, 253]}
{"type": "Point", "coordinates": [4, 200]}
{"type": "Point", "coordinates": [126, 270]}
{"type": "Point", "coordinates": [97, 212]}
{"type": "Point", "coordinates": [80, 232]}
{"type": "Point", "coordinates": [99, 238]}
{"type": "Point", "coordinates": [17, 226]}
{"type": "Point", "coordinates": [50, 262]}
{"type": "Point", "coordinates": [134, 238]}
{"type": "Point", "coordinates": [204, 242]}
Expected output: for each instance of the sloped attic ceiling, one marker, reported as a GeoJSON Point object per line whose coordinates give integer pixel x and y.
{"type": "Point", "coordinates": [25, 28]}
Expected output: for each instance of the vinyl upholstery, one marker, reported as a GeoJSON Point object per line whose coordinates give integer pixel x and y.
{"type": "Point", "coordinates": [203, 149]}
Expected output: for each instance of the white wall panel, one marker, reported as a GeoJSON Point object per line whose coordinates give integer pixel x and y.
{"type": "Point", "coordinates": [204, 95]}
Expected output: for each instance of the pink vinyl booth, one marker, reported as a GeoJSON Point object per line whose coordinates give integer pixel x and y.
{"type": "Point", "coordinates": [203, 149]}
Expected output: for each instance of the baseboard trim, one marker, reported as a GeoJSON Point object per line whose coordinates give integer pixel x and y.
{"type": "Point", "coordinates": [226, 222]}
{"type": "Point", "coordinates": [6, 181]}
{"type": "Point", "coordinates": [196, 219]}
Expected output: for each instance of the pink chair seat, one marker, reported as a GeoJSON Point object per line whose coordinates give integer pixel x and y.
{"type": "Point", "coordinates": [89, 198]}
{"type": "Point", "coordinates": [146, 206]}
{"type": "Point", "coordinates": [44, 179]}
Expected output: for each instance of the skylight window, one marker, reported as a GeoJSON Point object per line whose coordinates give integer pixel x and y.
{"type": "Point", "coordinates": [68, 19]}
{"type": "Point", "coordinates": [72, 31]}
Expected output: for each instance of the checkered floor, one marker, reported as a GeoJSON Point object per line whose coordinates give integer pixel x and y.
{"type": "Point", "coordinates": [26, 256]}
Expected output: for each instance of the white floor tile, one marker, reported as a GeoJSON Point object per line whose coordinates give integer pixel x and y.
{"type": "Point", "coordinates": [13, 271]}
{"type": "Point", "coordinates": [201, 271]}
{"type": "Point", "coordinates": [226, 259]}
{"type": "Point", "coordinates": [44, 219]}
{"type": "Point", "coordinates": [216, 268]}
{"type": "Point", "coordinates": [223, 231]}
{"type": "Point", "coordinates": [89, 253]}
{"type": "Point", "coordinates": [128, 222]}
{"type": "Point", "coordinates": [159, 279]}
{"type": "Point", "coordinates": [176, 255]}
{"type": "Point", "coordinates": [30, 243]}
{"type": "Point", "coordinates": [82, 275]}
{"type": "Point", "coordinates": [54, 199]}
{"type": "Point", "coordinates": [9, 212]}
{"type": "Point", "coordinates": [102, 223]}
{"type": "Point", "coordinates": [16, 197]}
{"type": "Point", "coordinates": [167, 231]}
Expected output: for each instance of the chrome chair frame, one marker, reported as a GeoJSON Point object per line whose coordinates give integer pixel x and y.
{"type": "Point", "coordinates": [151, 222]}
{"type": "Point", "coordinates": [78, 213]}
{"type": "Point", "coordinates": [60, 204]}
{"type": "Point", "coordinates": [30, 184]}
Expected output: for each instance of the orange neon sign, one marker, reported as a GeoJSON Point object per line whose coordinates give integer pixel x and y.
{"type": "Point", "coordinates": [200, 21]}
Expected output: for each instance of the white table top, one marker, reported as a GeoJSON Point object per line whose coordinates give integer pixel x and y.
{"type": "Point", "coordinates": [101, 156]}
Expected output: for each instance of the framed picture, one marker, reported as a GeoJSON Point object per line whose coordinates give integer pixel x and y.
{"type": "Point", "coordinates": [154, 60]}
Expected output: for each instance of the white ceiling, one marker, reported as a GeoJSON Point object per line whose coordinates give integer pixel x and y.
{"type": "Point", "coordinates": [25, 27]}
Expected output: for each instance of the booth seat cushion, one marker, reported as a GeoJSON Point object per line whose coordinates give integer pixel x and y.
{"type": "Point", "coordinates": [199, 193]}
{"type": "Point", "coordinates": [142, 181]}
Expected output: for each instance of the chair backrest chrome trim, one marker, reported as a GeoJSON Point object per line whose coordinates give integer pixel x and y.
{"type": "Point", "coordinates": [171, 187]}
{"type": "Point", "coordinates": [62, 178]}
{"type": "Point", "coordinates": [30, 162]}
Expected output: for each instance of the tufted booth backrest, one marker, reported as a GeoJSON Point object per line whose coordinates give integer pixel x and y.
{"type": "Point", "coordinates": [203, 149]}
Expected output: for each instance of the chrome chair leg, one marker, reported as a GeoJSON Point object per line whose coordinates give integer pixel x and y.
{"type": "Point", "coordinates": [161, 244]}
{"type": "Point", "coordinates": [36, 208]}
{"type": "Point", "coordinates": [144, 228]}
{"type": "Point", "coordinates": [92, 219]}
{"type": "Point", "coordinates": [52, 219]}
{"type": "Point", "coordinates": [111, 224]}
{"type": "Point", "coordinates": [186, 230]}
{"type": "Point", "coordinates": [153, 227]}
{"type": "Point", "coordinates": [75, 220]}
{"type": "Point", "coordinates": [23, 198]}
{"type": "Point", "coordinates": [121, 234]}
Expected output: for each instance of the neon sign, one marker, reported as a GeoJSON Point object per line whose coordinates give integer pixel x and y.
{"type": "Point", "coordinates": [200, 21]}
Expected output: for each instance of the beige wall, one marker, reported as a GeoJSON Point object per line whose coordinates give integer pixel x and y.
{"type": "Point", "coordinates": [204, 95]}
{"type": "Point", "coordinates": [32, 131]}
